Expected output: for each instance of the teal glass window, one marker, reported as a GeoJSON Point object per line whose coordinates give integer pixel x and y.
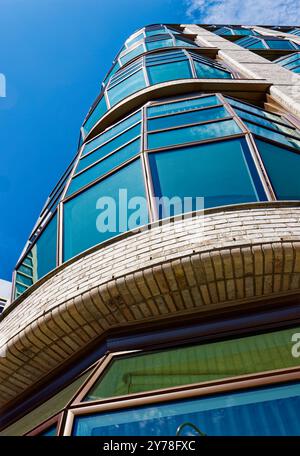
{"type": "Point", "coordinates": [268, 411]}
{"type": "Point", "coordinates": [295, 31]}
{"type": "Point", "coordinates": [95, 115]}
{"type": "Point", "coordinates": [108, 147]}
{"type": "Point", "coordinates": [135, 39]}
{"type": "Point", "coordinates": [184, 42]}
{"type": "Point", "coordinates": [251, 43]}
{"type": "Point", "coordinates": [169, 71]}
{"type": "Point", "coordinates": [290, 62]}
{"type": "Point", "coordinates": [256, 45]}
{"type": "Point", "coordinates": [126, 87]}
{"type": "Point", "coordinates": [84, 218]}
{"type": "Point", "coordinates": [184, 105]}
{"type": "Point", "coordinates": [283, 168]}
{"type": "Point", "coordinates": [233, 31]}
{"type": "Point", "coordinates": [50, 432]}
{"type": "Point", "coordinates": [192, 134]}
{"type": "Point", "coordinates": [113, 70]}
{"type": "Point", "coordinates": [155, 31]}
{"type": "Point", "coordinates": [280, 44]}
{"type": "Point", "coordinates": [267, 123]}
{"type": "Point", "coordinates": [278, 137]}
{"type": "Point", "coordinates": [111, 132]}
{"type": "Point", "coordinates": [40, 260]}
{"type": "Point", "coordinates": [187, 118]}
{"type": "Point", "coordinates": [207, 71]}
{"type": "Point", "coordinates": [222, 172]}
{"type": "Point", "coordinates": [104, 166]}
{"type": "Point", "coordinates": [258, 111]}
{"type": "Point", "coordinates": [159, 44]}
{"type": "Point", "coordinates": [131, 54]}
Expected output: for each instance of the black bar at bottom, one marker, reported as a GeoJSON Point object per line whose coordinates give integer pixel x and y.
{"type": "Point", "coordinates": [143, 445]}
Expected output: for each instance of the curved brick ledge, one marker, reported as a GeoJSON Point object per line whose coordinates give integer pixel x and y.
{"type": "Point", "coordinates": [246, 253]}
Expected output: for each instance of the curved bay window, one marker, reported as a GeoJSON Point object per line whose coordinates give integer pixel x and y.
{"type": "Point", "coordinates": [153, 68]}
{"type": "Point", "coordinates": [245, 385]}
{"type": "Point", "coordinates": [231, 151]}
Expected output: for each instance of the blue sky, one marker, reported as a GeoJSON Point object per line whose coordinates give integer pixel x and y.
{"type": "Point", "coordinates": [54, 54]}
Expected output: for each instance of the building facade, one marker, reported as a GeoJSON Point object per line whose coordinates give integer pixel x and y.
{"type": "Point", "coordinates": [158, 293]}
{"type": "Point", "coordinates": [5, 294]}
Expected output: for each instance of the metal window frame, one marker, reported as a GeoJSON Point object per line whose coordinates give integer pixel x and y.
{"type": "Point", "coordinates": [166, 395]}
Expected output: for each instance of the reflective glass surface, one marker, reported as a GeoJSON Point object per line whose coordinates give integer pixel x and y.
{"type": "Point", "coordinates": [111, 132]}
{"type": "Point", "coordinates": [169, 71]}
{"type": "Point", "coordinates": [93, 216]}
{"type": "Point", "coordinates": [269, 411]}
{"type": "Point", "coordinates": [206, 71]}
{"type": "Point", "coordinates": [265, 133]}
{"type": "Point", "coordinates": [131, 54]}
{"type": "Point", "coordinates": [192, 133]}
{"type": "Point", "coordinates": [96, 114]}
{"type": "Point", "coordinates": [222, 172]}
{"type": "Point", "coordinates": [283, 168]}
{"type": "Point", "coordinates": [126, 87]}
{"type": "Point", "coordinates": [179, 106]}
{"type": "Point", "coordinates": [106, 148]}
{"type": "Point", "coordinates": [40, 260]}
{"type": "Point", "coordinates": [104, 166]}
{"type": "Point", "coordinates": [138, 373]}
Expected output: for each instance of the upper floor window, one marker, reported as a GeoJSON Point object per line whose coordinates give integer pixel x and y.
{"type": "Point", "coordinates": [267, 42]}
{"type": "Point", "coordinates": [290, 62]}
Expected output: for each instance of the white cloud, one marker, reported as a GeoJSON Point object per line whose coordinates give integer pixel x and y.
{"type": "Point", "coordinates": [245, 12]}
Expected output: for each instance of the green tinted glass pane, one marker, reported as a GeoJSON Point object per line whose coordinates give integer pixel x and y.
{"type": "Point", "coordinates": [118, 141]}
{"type": "Point", "coordinates": [104, 166]}
{"type": "Point", "coordinates": [178, 106]}
{"type": "Point", "coordinates": [98, 112]}
{"type": "Point", "coordinates": [84, 214]}
{"type": "Point", "coordinates": [131, 54]}
{"type": "Point", "coordinates": [108, 134]}
{"type": "Point", "coordinates": [186, 118]}
{"type": "Point", "coordinates": [283, 168]}
{"type": "Point", "coordinates": [206, 71]}
{"type": "Point", "coordinates": [193, 133]}
{"type": "Point", "coordinates": [195, 364]}
{"type": "Point", "coordinates": [47, 409]}
{"type": "Point", "coordinates": [222, 172]}
{"type": "Point", "coordinates": [267, 123]}
{"type": "Point", "coordinates": [125, 88]}
{"type": "Point", "coordinates": [159, 44]}
{"type": "Point", "coordinates": [273, 135]}
{"type": "Point", "coordinates": [169, 72]}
